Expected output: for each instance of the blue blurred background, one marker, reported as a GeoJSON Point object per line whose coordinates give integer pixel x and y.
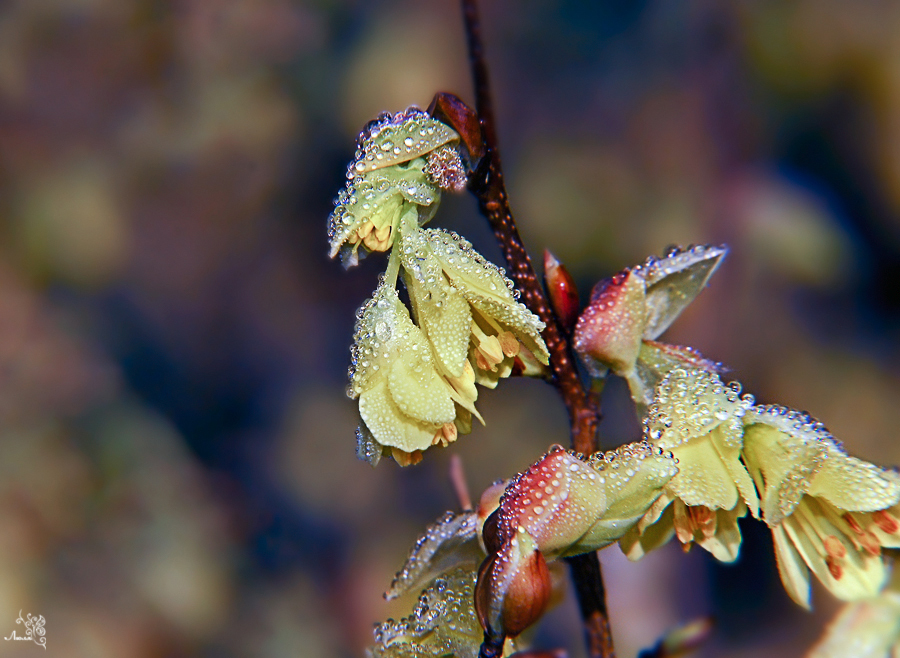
{"type": "Point", "coordinates": [177, 469]}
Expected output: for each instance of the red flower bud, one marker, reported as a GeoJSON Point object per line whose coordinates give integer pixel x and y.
{"type": "Point", "coordinates": [513, 588]}
{"type": "Point", "coordinates": [562, 291]}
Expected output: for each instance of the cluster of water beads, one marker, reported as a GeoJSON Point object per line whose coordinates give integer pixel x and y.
{"type": "Point", "coordinates": [376, 324]}
{"type": "Point", "coordinates": [394, 138]}
{"type": "Point", "coordinates": [676, 260]}
{"type": "Point", "coordinates": [443, 623]}
{"type": "Point", "coordinates": [690, 403]}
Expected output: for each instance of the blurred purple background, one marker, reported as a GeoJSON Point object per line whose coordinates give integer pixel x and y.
{"type": "Point", "coordinates": [178, 474]}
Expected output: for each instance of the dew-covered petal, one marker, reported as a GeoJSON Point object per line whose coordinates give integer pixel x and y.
{"type": "Point", "coordinates": [674, 281]}
{"type": "Point", "coordinates": [556, 500]}
{"type": "Point", "coordinates": [641, 539]}
{"type": "Point", "coordinates": [784, 462]}
{"type": "Point", "coordinates": [848, 573]}
{"type": "Point", "coordinates": [389, 425]}
{"type": "Point", "coordinates": [443, 623]}
{"type": "Point", "coordinates": [852, 484]}
{"type": "Point", "coordinates": [634, 476]}
{"type": "Point", "coordinates": [367, 448]}
{"type": "Point", "coordinates": [655, 360]}
{"type": "Point", "coordinates": [450, 542]}
{"type": "Point", "coordinates": [445, 317]}
{"type": "Point", "coordinates": [730, 454]}
{"type": "Point", "coordinates": [363, 202]}
{"type": "Point", "coordinates": [401, 137]}
{"type": "Point", "coordinates": [702, 477]}
{"type": "Point", "coordinates": [486, 288]}
{"type": "Point", "coordinates": [416, 387]}
{"type": "Point", "coordinates": [690, 403]}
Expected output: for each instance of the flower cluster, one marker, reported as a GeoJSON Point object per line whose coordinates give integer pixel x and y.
{"type": "Point", "coordinates": [564, 504]}
{"type": "Point", "coordinates": [829, 513]}
{"type": "Point", "coordinates": [415, 375]}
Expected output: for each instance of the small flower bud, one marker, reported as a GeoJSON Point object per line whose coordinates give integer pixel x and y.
{"type": "Point", "coordinates": [513, 588]}
{"type": "Point", "coordinates": [449, 109]}
{"type": "Point", "coordinates": [562, 291]}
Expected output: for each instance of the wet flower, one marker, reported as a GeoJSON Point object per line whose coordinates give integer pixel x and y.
{"type": "Point", "coordinates": [562, 505]}
{"type": "Point", "coordinates": [402, 163]}
{"type": "Point", "coordinates": [627, 312]}
{"type": "Point", "coordinates": [405, 402]}
{"type": "Point", "coordinates": [830, 513]}
{"type": "Point", "coordinates": [468, 309]}
{"type": "Point", "coordinates": [699, 419]}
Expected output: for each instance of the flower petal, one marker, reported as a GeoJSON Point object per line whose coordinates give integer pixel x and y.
{"type": "Point", "coordinates": [634, 476]}
{"type": "Point", "coordinates": [450, 542]}
{"type": "Point", "coordinates": [854, 485]}
{"type": "Point", "coordinates": [641, 540]}
{"type": "Point", "coordinates": [702, 477]}
{"type": "Point", "coordinates": [389, 425]}
{"type": "Point", "coordinates": [416, 387]}
{"type": "Point", "coordinates": [401, 137]}
{"type": "Point", "coordinates": [784, 461]}
{"type": "Point", "coordinates": [791, 567]}
{"type": "Point", "coordinates": [854, 575]}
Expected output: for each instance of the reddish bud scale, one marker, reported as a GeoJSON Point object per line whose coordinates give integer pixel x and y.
{"type": "Point", "coordinates": [449, 109]}
{"type": "Point", "coordinates": [562, 291]}
{"type": "Point", "coordinates": [610, 329]}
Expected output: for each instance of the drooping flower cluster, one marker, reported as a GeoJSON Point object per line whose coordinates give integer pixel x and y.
{"type": "Point", "coordinates": [830, 513]}
{"type": "Point", "coordinates": [415, 375]}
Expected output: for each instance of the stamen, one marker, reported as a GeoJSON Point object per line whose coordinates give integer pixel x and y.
{"type": "Point", "coordinates": [834, 568]}
{"type": "Point", "coordinates": [886, 522]}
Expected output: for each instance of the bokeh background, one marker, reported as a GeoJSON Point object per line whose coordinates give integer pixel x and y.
{"type": "Point", "coordinates": [177, 469]}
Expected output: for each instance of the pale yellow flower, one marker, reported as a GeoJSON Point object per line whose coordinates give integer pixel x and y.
{"type": "Point", "coordinates": [830, 513]}
{"type": "Point", "coordinates": [699, 419]}
{"type": "Point", "coordinates": [467, 308]}
{"type": "Point", "coordinates": [393, 173]}
{"type": "Point", "coordinates": [406, 404]}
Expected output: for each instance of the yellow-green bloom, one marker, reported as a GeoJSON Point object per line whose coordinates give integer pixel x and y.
{"type": "Point", "coordinates": [699, 419]}
{"type": "Point", "coordinates": [467, 307]}
{"type": "Point", "coordinates": [830, 513]}
{"type": "Point", "coordinates": [405, 402]}
{"type": "Point", "coordinates": [402, 164]}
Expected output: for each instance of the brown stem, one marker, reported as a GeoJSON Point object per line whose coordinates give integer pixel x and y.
{"type": "Point", "coordinates": [488, 186]}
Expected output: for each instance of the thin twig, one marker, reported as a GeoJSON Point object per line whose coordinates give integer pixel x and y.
{"type": "Point", "coordinates": [458, 480]}
{"type": "Point", "coordinates": [488, 186]}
